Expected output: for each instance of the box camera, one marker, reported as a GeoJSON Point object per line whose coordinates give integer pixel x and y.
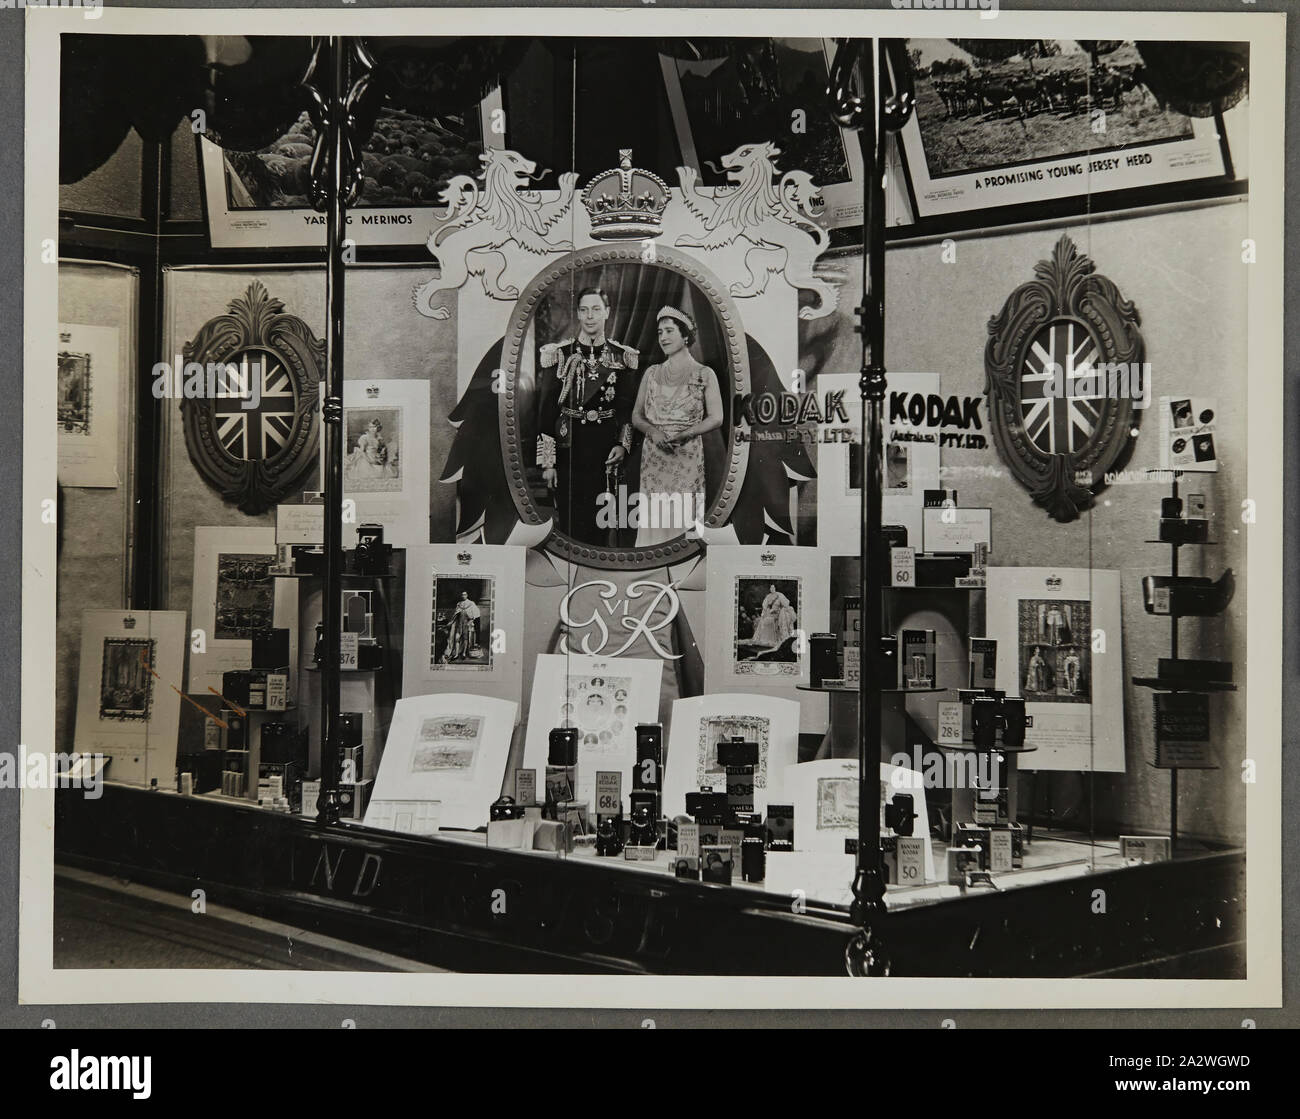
{"type": "Point", "coordinates": [707, 807]}
{"type": "Point", "coordinates": [372, 556]}
{"type": "Point", "coordinates": [562, 747]}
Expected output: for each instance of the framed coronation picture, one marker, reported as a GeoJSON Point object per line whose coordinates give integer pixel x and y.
{"type": "Point", "coordinates": [464, 620]}
{"type": "Point", "coordinates": [128, 695]}
{"type": "Point", "coordinates": [699, 723]}
{"type": "Point", "coordinates": [386, 459]}
{"type": "Point", "coordinates": [604, 698]}
{"type": "Point", "coordinates": [1059, 647]}
{"type": "Point", "coordinates": [448, 750]}
{"type": "Point", "coordinates": [762, 603]}
{"type": "Point", "coordinates": [1051, 123]}
{"type": "Point", "coordinates": [235, 596]}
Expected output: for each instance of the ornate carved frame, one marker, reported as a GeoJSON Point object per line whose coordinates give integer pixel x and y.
{"type": "Point", "coordinates": [632, 559]}
{"type": "Point", "coordinates": [256, 321]}
{"type": "Point", "coordinates": [1066, 288]}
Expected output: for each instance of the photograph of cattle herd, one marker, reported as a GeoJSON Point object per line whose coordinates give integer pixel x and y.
{"type": "Point", "coordinates": [1053, 98]}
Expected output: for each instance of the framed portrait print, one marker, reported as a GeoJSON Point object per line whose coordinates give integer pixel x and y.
{"type": "Point", "coordinates": [464, 620]}
{"type": "Point", "coordinates": [604, 698]}
{"type": "Point", "coordinates": [699, 723]}
{"type": "Point", "coordinates": [1044, 125]}
{"type": "Point", "coordinates": [566, 409]}
{"type": "Point", "coordinates": [128, 698]}
{"type": "Point", "coordinates": [235, 596]}
{"type": "Point", "coordinates": [386, 458]}
{"type": "Point", "coordinates": [88, 405]}
{"type": "Point", "coordinates": [762, 603]}
{"type": "Point", "coordinates": [448, 749]}
{"type": "Point", "coordinates": [1060, 648]}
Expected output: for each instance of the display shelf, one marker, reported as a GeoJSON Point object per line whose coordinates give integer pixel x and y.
{"type": "Point", "coordinates": [853, 689]}
{"type": "Point", "coordinates": [321, 575]}
{"type": "Point", "coordinates": [971, 748]}
{"type": "Point", "coordinates": [1160, 684]}
{"type": "Point", "coordinates": [1164, 685]}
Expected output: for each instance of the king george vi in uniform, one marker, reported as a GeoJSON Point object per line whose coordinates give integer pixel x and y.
{"type": "Point", "coordinates": [585, 425]}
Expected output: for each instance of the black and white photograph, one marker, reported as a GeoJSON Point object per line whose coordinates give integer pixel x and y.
{"type": "Point", "coordinates": [407, 162]}
{"type": "Point", "coordinates": [837, 803]}
{"type": "Point", "coordinates": [1055, 646]}
{"type": "Point", "coordinates": [74, 393]}
{"type": "Point", "coordinates": [1007, 122]}
{"type": "Point", "coordinates": [629, 355]}
{"type": "Point", "coordinates": [126, 683]}
{"type": "Point", "coordinates": [723, 728]}
{"type": "Point", "coordinates": [245, 595]}
{"type": "Point", "coordinates": [767, 625]}
{"type": "Point", "coordinates": [373, 463]}
{"type": "Point", "coordinates": [446, 743]}
{"type": "Point", "coordinates": [463, 622]}
{"type": "Point", "coordinates": [631, 421]}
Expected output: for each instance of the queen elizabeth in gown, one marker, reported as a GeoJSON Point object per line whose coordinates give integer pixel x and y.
{"type": "Point", "coordinates": [677, 402]}
{"type": "Point", "coordinates": [776, 619]}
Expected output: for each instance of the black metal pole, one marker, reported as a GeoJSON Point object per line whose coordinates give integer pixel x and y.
{"type": "Point", "coordinates": [328, 806]}
{"type": "Point", "coordinates": [872, 113]}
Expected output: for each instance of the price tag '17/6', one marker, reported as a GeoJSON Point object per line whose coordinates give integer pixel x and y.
{"type": "Point", "coordinates": [902, 565]}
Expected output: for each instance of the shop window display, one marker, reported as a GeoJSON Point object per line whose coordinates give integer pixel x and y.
{"type": "Point", "coordinates": [581, 543]}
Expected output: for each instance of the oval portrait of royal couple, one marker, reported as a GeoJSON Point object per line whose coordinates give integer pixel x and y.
{"type": "Point", "coordinates": [623, 388]}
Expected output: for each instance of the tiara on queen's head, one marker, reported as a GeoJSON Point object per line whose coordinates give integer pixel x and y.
{"type": "Point", "coordinates": [680, 316]}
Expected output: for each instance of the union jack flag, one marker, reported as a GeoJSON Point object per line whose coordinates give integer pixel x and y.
{"type": "Point", "coordinates": [1056, 418]}
{"type": "Point", "coordinates": [256, 432]}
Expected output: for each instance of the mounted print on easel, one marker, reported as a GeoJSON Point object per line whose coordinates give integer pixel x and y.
{"type": "Point", "coordinates": [386, 459]}
{"type": "Point", "coordinates": [762, 605]}
{"type": "Point", "coordinates": [604, 699]}
{"type": "Point", "coordinates": [235, 597]}
{"type": "Point", "coordinates": [464, 620]}
{"type": "Point", "coordinates": [128, 700]}
{"type": "Point", "coordinates": [88, 405]}
{"type": "Point", "coordinates": [700, 723]}
{"type": "Point", "coordinates": [447, 750]}
{"type": "Point", "coordinates": [1059, 648]}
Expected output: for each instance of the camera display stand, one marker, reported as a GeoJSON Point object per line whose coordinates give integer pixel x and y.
{"type": "Point", "coordinates": [1179, 686]}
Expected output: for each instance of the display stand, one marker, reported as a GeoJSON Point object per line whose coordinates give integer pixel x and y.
{"type": "Point", "coordinates": [1166, 685]}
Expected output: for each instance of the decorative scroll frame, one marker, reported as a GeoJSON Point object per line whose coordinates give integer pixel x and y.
{"type": "Point", "coordinates": [1065, 288]}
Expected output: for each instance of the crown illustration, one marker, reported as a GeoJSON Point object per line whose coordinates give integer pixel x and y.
{"type": "Point", "coordinates": [1053, 580]}
{"type": "Point", "coordinates": [464, 558]}
{"type": "Point", "coordinates": [372, 392]}
{"type": "Point", "coordinates": [767, 559]}
{"type": "Point", "coordinates": [128, 622]}
{"type": "Point", "coordinates": [625, 202]}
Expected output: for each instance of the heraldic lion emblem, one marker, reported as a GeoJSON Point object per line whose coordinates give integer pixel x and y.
{"type": "Point", "coordinates": [778, 219]}
{"type": "Point", "coordinates": [480, 219]}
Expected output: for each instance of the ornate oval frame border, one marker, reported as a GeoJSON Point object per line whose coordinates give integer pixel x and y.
{"type": "Point", "coordinates": [630, 559]}
{"type": "Point", "coordinates": [1065, 288]}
